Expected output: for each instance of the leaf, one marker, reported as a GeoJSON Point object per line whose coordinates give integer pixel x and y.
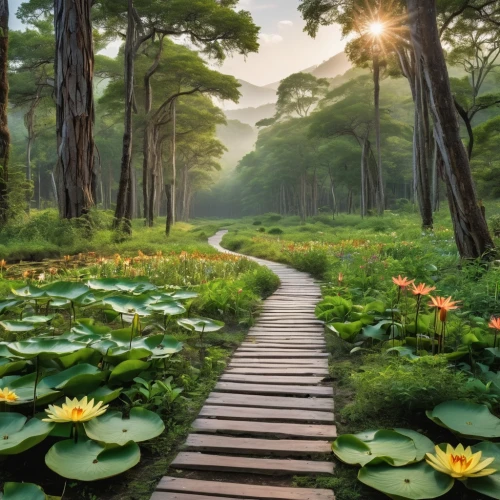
{"type": "Point", "coordinates": [422, 443]}
{"type": "Point", "coordinates": [466, 419]}
{"type": "Point", "coordinates": [19, 435]}
{"type": "Point", "coordinates": [78, 380]}
{"type": "Point", "coordinates": [413, 482]}
{"type": "Point", "coordinates": [8, 366]}
{"type": "Point", "coordinates": [129, 305]}
{"type": "Point", "coordinates": [22, 491]}
{"type": "Point", "coordinates": [111, 427]}
{"type": "Point", "coordinates": [105, 394]}
{"type": "Point", "coordinates": [488, 485]}
{"type": "Point", "coordinates": [127, 371]}
{"type": "Point", "coordinates": [205, 325]}
{"type": "Point", "coordinates": [5, 305]}
{"type": "Point", "coordinates": [69, 290]}
{"type": "Point", "coordinates": [168, 308]}
{"type": "Point", "coordinates": [347, 331]}
{"type": "Point", "coordinates": [24, 387]}
{"type": "Point", "coordinates": [121, 285]}
{"type": "Point", "coordinates": [44, 348]}
{"type": "Point", "coordinates": [376, 331]}
{"type": "Point", "coordinates": [90, 461]}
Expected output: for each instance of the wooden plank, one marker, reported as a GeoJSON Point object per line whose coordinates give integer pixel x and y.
{"type": "Point", "coordinates": [312, 431]}
{"type": "Point", "coordinates": [271, 466]}
{"type": "Point", "coordinates": [280, 371]}
{"type": "Point", "coordinates": [252, 446]}
{"type": "Point", "coordinates": [270, 379]}
{"type": "Point", "coordinates": [282, 366]}
{"type": "Point", "coordinates": [291, 390]}
{"type": "Point", "coordinates": [266, 339]}
{"type": "Point", "coordinates": [263, 414]}
{"type": "Point", "coordinates": [283, 361]}
{"type": "Point", "coordinates": [162, 495]}
{"type": "Point", "coordinates": [283, 353]}
{"type": "Point", "coordinates": [281, 345]}
{"type": "Point", "coordinates": [248, 491]}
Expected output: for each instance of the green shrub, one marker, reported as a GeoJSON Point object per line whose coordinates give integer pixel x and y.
{"type": "Point", "coordinates": [262, 281]}
{"type": "Point", "coordinates": [257, 222]}
{"type": "Point", "coordinates": [314, 261]}
{"type": "Point", "coordinates": [494, 223]}
{"type": "Point", "coordinates": [275, 230]}
{"type": "Point", "coordinates": [261, 229]}
{"type": "Point", "coordinates": [397, 388]}
{"type": "Point", "coordinates": [274, 217]}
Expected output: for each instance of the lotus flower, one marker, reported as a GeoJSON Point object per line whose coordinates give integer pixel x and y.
{"type": "Point", "coordinates": [460, 463]}
{"type": "Point", "coordinates": [75, 411]}
{"type": "Point", "coordinates": [8, 396]}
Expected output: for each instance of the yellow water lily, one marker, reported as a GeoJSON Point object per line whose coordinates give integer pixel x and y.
{"type": "Point", "coordinates": [8, 396]}
{"type": "Point", "coordinates": [460, 462]}
{"type": "Point", "coordinates": [75, 411]}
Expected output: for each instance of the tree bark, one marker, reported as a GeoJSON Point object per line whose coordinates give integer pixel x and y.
{"type": "Point", "coordinates": [169, 218]}
{"type": "Point", "coordinates": [74, 72]}
{"type": "Point", "coordinates": [471, 231]}
{"type": "Point", "coordinates": [468, 125]}
{"type": "Point", "coordinates": [380, 175]}
{"type": "Point", "coordinates": [4, 96]}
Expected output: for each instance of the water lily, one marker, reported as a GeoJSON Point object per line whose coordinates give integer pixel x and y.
{"type": "Point", "coordinates": [460, 462]}
{"type": "Point", "coordinates": [8, 396]}
{"type": "Point", "coordinates": [75, 411]}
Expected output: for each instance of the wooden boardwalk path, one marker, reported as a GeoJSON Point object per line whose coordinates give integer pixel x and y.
{"type": "Point", "coordinates": [270, 414]}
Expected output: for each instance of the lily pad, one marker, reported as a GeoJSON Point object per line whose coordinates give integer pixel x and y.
{"type": "Point", "coordinates": [466, 419]}
{"type": "Point", "coordinates": [9, 366]}
{"type": "Point", "coordinates": [129, 305]}
{"type": "Point", "coordinates": [168, 346]}
{"type": "Point", "coordinates": [90, 329]}
{"type": "Point", "coordinates": [413, 482]}
{"type": "Point", "coordinates": [91, 461]}
{"type": "Point", "coordinates": [488, 485]}
{"type": "Point", "coordinates": [5, 305]}
{"type": "Point", "coordinates": [105, 394]}
{"type": "Point", "coordinates": [385, 446]}
{"type": "Point", "coordinates": [184, 295]}
{"type": "Point", "coordinates": [127, 371]}
{"type": "Point", "coordinates": [17, 325]}
{"type": "Point", "coordinates": [80, 379]}
{"type": "Point", "coordinates": [24, 387]}
{"type": "Point", "coordinates": [167, 308]}
{"type": "Point", "coordinates": [205, 325]}
{"type": "Point", "coordinates": [30, 292]}
{"type": "Point", "coordinates": [18, 435]}
{"type": "Point", "coordinates": [121, 285]}
{"type": "Point", "coordinates": [44, 348]}
{"type": "Point", "coordinates": [111, 427]}
{"type": "Point", "coordinates": [422, 443]}
{"type": "Point", "coordinates": [22, 491]}
{"type": "Point", "coordinates": [69, 290]}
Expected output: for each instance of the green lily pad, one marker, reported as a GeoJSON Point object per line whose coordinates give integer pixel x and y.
{"type": "Point", "coordinates": [80, 379]}
{"type": "Point", "coordinates": [184, 295]}
{"type": "Point", "coordinates": [91, 461]}
{"type": "Point", "coordinates": [8, 366]}
{"type": "Point", "coordinates": [19, 435]}
{"type": "Point", "coordinates": [105, 394]}
{"type": "Point", "coordinates": [205, 325]}
{"type": "Point", "coordinates": [121, 285]}
{"type": "Point", "coordinates": [111, 427]}
{"type": "Point", "coordinates": [69, 290]}
{"type": "Point", "coordinates": [24, 387]}
{"type": "Point", "coordinates": [376, 331]}
{"type": "Point", "coordinates": [30, 292]}
{"type": "Point", "coordinates": [386, 446]}
{"type": "Point", "coordinates": [466, 419]}
{"type": "Point", "coordinates": [129, 305]}
{"type": "Point", "coordinates": [90, 329]}
{"type": "Point", "coordinates": [17, 325]}
{"type": "Point", "coordinates": [127, 371]}
{"type": "Point", "coordinates": [488, 485]}
{"type": "Point", "coordinates": [87, 354]}
{"type": "Point", "coordinates": [167, 308]}
{"type": "Point", "coordinates": [422, 443]}
{"type": "Point", "coordinates": [22, 491]}
{"type": "Point", "coordinates": [413, 482]}
{"type": "Point", "coordinates": [5, 305]}
{"type": "Point", "coordinates": [168, 346]}
{"type": "Point", "coordinates": [44, 348]}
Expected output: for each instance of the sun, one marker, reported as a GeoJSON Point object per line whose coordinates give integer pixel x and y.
{"type": "Point", "coordinates": [376, 28]}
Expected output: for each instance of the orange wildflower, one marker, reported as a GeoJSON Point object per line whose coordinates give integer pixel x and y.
{"type": "Point", "coordinates": [2, 263]}
{"type": "Point", "coordinates": [67, 258]}
{"type": "Point", "coordinates": [53, 271]}
{"type": "Point", "coordinates": [494, 323]}
{"type": "Point", "coordinates": [422, 289]}
{"type": "Point", "coordinates": [443, 305]}
{"type": "Point", "coordinates": [402, 282]}
{"type": "Point", "coordinates": [341, 277]}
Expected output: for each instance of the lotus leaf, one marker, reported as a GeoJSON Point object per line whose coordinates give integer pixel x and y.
{"type": "Point", "coordinates": [19, 435]}
{"type": "Point", "coordinates": [5, 305]}
{"type": "Point", "coordinates": [9, 366]}
{"type": "Point", "coordinates": [184, 295]}
{"type": "Point", "coordinates": [413, 482]}
{"type": "Point", "coordinates": [495, 351]}
{"type": "Point", "coordinates": [90, 329]}
{"type": "Point", "coordinates": [168, 346]}
{"type": "Point", "coordinates": [385, 446]}
{"type": "Point", "coordinates": [489, 485]}
{"type": "Point", "coordinates": [22, 491]}
{"type": "Point", "coordinates": [129, 305]}
{"type": "Point", "coordinates": [103, 346]}
{"type": "Point", "coordinates": [86, 354]}
{"type": "Point", "coordinates": [105, 394]}
{"type": "Point", "coordinates": [201, 324]}
{"type": "Point", "coordinates": [75, 381]}
{"type": "Point", "coordinates": [30, 291]}
{"type": "Point", "coordinates": [44, 348]}
{"type": "Point", "coordinates": [91, 461]}
{"type": "Point", "coordinates": [422, 443]}
{"type": "Point", "coordinates": [127, 371]}
{"type": "Point", "coordinates": [17, 325]}
{"type": "Point", "coordinates": [139, 348]}
{"type": "Point", "coordinates": [466, 419]}
{"type": "Point", "coordinates": [69, 290]}
{"type": "Point", "coordinates": [142, 425]}
{"type": "Point", "coordinates": [123, 335]}
{"type": "Point", "coordinates": [24, 387]}
{"type": "Point", "coordinates": [168, 308]}
{"type": "Point", "coordinates": [121, 285]}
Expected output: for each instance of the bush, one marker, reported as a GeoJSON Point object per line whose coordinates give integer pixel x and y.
{"type": "Point", "coordinates": [262, 281]}
{"type": "Point", "coordinates": [400, 388]}
{"type": "Point", "coordinates": [312, 261]}
{"type": "Point", "coordinates": [495, 225]}
{"type": "Point", "coordinates": [275, 230]}
{"type": "Point", "coordinates": [257, 222]}
{"type": "Point", "coordinates": [274, 217]}
{"type": "Point", "coordinates": [261, 229]}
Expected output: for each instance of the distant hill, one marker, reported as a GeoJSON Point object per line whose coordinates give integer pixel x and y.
{"type": "Point", "coordinates": [239, 139]}
{"type": "Point", "coordinates": [252, 96]}
{"type": "Point", "coordinates": [251, 116]}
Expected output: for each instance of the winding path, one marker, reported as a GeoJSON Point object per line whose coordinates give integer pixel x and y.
{"type": "Point", "coordinates": [270, 415]}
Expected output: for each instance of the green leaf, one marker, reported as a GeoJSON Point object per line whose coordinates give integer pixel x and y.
{"type": "Point", "coordinates": [30, 292]}
{"type": "Point", "coordinates": [376, 331]}
{"type": "Point", "coordinates": [22, 491]}
{"type": "Point", "coordinates": [24, 387]}
{"type": "Point", "coordinates": [413, 482]}
{"type": "Point", "coordinates": [201, 324]}
{"type": "Point", "coordinates": [387, 446]}
{"type": "Point", "coordinates": [105, 394]}
{"type": "Point", "coordinates": [8, 366]}
{"type": "Point", "coordinates": [68, 290]}
{"type": "Point", "coordinates": [17, 325]}
{"type": "Point", "coordinates": [5, 305]}
{"type": "Point", "coordinates": [90, 329]}
{"type": "Point", "coordinates": [184, 295]}
{"type": "Point", "coordinates": [111, 427]}
{"type": "Point", "coordinates": [488, 485]}
{"type": "Point", "coordinates": [90, 461]}
{"type": "Point", "coordinates": [422, 443]}
{"type": "Point", "coordinates": [466, 419]}
{"type": "Point", "coordinates": [129, 305]}
{"type": "Point", "coordinates": [121, 285]}
{"type": "Point", "coordinates": [44, 348]}
{"type": "Point", "coordinates": [168, 346]}
{"type": "Point", "coordinates": [167, 308]}
{"type": "Point", "coordinates": [347, 331]}
{"type": "Point", "coordinates": [19, 435]}
{"type": "Point", "coordinates": [127, 371]}
{"type": "Point", "coordinates": [78, 380]}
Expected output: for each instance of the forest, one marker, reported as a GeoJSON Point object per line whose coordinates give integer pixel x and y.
{"type": "Point", "coordinates": [215, 288]}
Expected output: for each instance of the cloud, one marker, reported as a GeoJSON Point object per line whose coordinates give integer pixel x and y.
{"type": "Point", "coordinates": [270, 39]}
{"type": "Point", "coordinates": [285, 24]}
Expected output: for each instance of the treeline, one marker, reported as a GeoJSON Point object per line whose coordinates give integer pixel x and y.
{"type": "Point", "coordinates": [361, 147]}
{"type": "Point", "coordinates": [136, 134]}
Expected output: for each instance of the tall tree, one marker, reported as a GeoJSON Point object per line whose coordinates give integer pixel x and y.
{"type": "Point", "coordinates": [4, 95]}
{"type": "Point", "coordinates": [74, 94]}
{"type": "Point", "coordinates": [471, 232]}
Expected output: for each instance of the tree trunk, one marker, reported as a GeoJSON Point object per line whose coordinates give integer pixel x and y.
{"type": "Point", "coordinates": [435, 179]}
{"type": "Point", "coordinates": [74, 72]}
{"type": "Point", "coordinates": [123, 211]}
{"type": "Point", "coordinates": [4, 96]}
{"type": "Point", "coordinates": [169, 219]}
{"type": "Point", "coordinates": [380, 175]}
{"type": "Point", "coordinates": [468, 125]}
{"type": "Point", "coordinates": [471, 231]}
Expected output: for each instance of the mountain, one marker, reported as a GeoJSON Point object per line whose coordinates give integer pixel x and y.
{"type": "Point", "coordinates": [251, 116]}
{"type": "Point", "coordinates": [252, 96]}
{"type": "Point", "coordinates": [239, 139]}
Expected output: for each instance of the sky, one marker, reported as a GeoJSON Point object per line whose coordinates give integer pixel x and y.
{"type": "Point", "coordinates": [284, 47]}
